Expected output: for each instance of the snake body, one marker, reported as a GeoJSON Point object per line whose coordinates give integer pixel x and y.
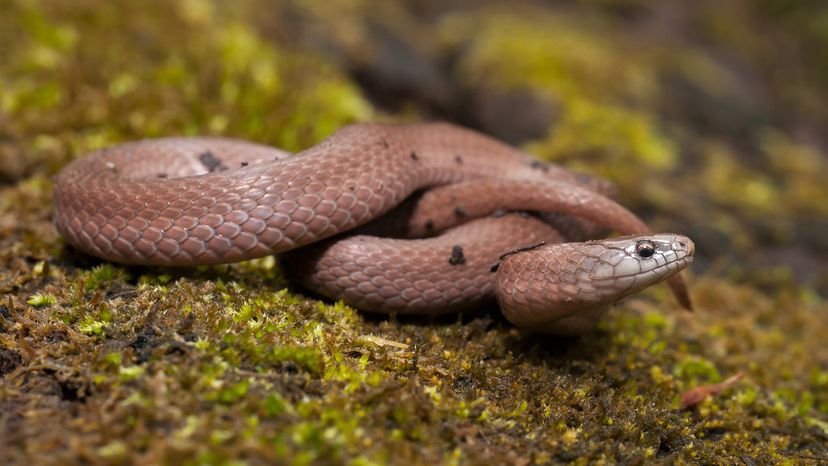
{"type": "Point", "coordinates": [189, 201]}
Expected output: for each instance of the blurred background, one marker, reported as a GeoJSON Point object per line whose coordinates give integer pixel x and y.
{"type": "Point", "coordinates": [710, 116]}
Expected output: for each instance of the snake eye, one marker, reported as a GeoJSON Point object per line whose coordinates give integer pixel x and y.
{"type": "Point", "coordinates": [645, 248]}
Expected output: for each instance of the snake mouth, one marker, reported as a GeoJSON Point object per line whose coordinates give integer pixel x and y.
{"type": "Point", "coordinates": [672, 267]}
{"type": "Point", "coordinates": [680, 264]}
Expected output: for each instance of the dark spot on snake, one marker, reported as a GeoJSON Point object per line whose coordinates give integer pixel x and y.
{"type": "Point", "coordinates": [515, 251]}
{"type": "Point", "coordinates": [414, 156]}
{"type": "Point", "coordinates": [460, 212]}
{"type": "Point", "coordinates": [429, 225]}
{"type": "Point", "coordinates": [275, 158]}
{"type": "Point", "coordinates": [351, 188]}
{"type": "Point", "coordinates": [458, 159]}
{"type": "Point", "coordinates": [383, 143]}
{"type": "Point", "coordinates": [457, 256]}
{"type": "Point", "coordinates": [538, 165]}
{"type": "Point", "coordinates": [162, 175]}
{"type": "Point", "coordinates": [211, 162]}
{"type": "Point", "coordinates": [244, 164]}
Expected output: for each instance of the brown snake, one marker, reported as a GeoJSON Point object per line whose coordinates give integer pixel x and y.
{"type": "Point", "coordinates": [188, 201]}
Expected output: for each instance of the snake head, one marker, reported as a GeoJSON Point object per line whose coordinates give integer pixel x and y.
{"type": "Point", "coordinates": [552, 282]}
{"type": "Point", "coordinates": [628, 264]}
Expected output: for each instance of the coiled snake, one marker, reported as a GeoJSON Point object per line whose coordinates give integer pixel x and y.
{"type": "Point", "coordinates": [189, 201]}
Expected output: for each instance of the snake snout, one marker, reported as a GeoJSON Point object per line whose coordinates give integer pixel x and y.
{"type": "Point", "coordinates": [684, 244]}
{"type": "Point", "coordinates": [671, 244]}
{"type": "Point", "coordinates": [681, 248]}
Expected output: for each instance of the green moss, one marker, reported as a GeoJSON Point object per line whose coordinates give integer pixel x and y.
{"type": "Point", "coordinates": [306, 358]}
{"type": "Point", "coordinates": [91, 326]}
{"type": "Point", "coordinates": [42, 300]}
{"type": "Point", "coordinates": [232, 393]}
{"type": "Point", "coordinates": [103, 275]}
{"type": "Point", "coordinates": [130, 373]}
{"type": "Point", "coordinates": [697, 370]}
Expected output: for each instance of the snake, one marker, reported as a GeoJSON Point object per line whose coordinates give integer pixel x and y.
{"type": "Point", "coordinates": [459, 211]}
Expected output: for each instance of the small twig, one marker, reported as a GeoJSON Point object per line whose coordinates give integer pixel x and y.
{"type": "Point", "coordinates": [694, 396]}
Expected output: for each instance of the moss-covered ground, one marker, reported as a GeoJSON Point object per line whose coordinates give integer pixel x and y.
{"type": "Point", "coordinates": [710, 117]}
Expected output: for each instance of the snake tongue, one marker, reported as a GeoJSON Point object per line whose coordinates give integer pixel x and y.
{"type": "Point", "coordinates": [679, 289]}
